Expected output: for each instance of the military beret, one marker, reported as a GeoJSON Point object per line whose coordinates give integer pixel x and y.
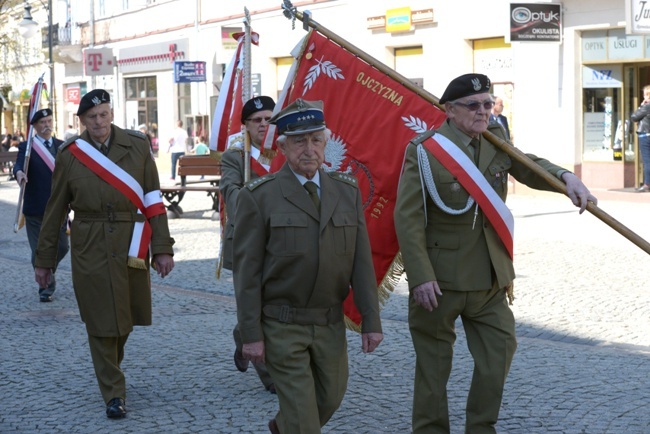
{"type": "Point", "coordinates": [92, 99]}
{"type": "Point", "coordinates": [300, 117]}
{"type": "Point", "coordinates": [40, 115]}
{"type": "Point", "coordinates": [466, 85]}
{"type": "Point", "coordinates": [255, 105]}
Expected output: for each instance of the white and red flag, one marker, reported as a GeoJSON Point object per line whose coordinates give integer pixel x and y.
{"type": "Point", "coordinates": [372, 118]}
{"type": "Point", "coordinates": [226, 121]}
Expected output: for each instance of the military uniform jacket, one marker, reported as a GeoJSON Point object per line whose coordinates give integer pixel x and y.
{"type": "Point", "coordinates": [112, 297]}
{"type": "Point", "coordinates": [232, 180]}
{"type": "Point", "coordinates": [451, 249]}
{"type": "Point", "coordinates": [286, 254]}
{"type": "Point", "coordinates": [37, 190]}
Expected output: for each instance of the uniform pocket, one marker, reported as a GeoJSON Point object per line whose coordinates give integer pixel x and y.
{"type": "Point", "coordinates": [345, 232]}
{"type": "Point", "coordinates": [288, 234]}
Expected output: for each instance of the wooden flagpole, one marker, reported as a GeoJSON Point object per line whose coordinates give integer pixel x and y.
{"type": "Point", "coordinates": [292, 13]}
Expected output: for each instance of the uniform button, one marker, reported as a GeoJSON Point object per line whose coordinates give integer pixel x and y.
{"type": "Point", "coordinates": [110, 230]}
{"type": "Point", "coordinates": [485, 225]}
{"type": "Point", "coordinates": [113, 255]}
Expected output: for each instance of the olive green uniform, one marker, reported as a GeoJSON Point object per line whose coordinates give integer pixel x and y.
{"type": "Point", "coordinates": [293, 269]}
{"type": "Point", "coordinates": [464, 254]}
{"type": "Point", "coordinates": [112, 297]}
{"type": "Point", "coordinates": [232, 180]}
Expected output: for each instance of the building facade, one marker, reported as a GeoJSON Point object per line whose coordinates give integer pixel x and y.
{"type": "Point", "coordinates": [568, 100]}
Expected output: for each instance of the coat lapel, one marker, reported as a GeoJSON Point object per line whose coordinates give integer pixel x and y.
{"type": "Point", "coordinates": [295, 193]}
{"type": "Point", "coordinates": [329, 199]}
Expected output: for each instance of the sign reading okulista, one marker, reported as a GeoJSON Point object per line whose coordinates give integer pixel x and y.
{"type": "Point", "coordinates": [536, 22]}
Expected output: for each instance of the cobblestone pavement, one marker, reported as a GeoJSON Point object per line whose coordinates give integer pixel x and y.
{"type": "Point", "coordinates": [582, 366]}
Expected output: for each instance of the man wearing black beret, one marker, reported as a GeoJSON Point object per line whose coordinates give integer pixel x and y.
{"type": "Point", "coordinates": [108, 177]}
{"type": "Point", "coordinates": [255, 116]}
{"type": "Point", "coordinates": [37, 190]}
{"type": "Point", "coordinates": [455, 236]}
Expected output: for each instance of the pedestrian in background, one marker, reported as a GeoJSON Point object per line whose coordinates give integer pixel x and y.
{"type": "Point", "coordinates": [457, 258]}
{"type": "Point", "coordinates": [108, 177]}
{"type": "Point", "coordinates": [642, 117]}
{"type": "Point", "coordinates": [255, 116]}
{"type": "Point", "coordinates": [177, 145]}
{"type": "Point", "coordinates": [37, 190]}
{"type": "Point", "coordinates": [300, 242]}
{"type": "Point", "coordinates": [497, 117]}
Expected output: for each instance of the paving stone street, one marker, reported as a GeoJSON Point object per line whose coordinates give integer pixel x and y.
{"type": "Point", "coordinates": [583, 326]}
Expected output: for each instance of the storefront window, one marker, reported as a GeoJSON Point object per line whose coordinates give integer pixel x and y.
{"type": "Point", "coordinates": [603, 126]}
{"type": "Point", "coordinates": [142, 106]}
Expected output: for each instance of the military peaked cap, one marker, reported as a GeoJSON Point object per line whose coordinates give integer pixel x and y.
{"type": "Point", "coordinates": [300, 117]}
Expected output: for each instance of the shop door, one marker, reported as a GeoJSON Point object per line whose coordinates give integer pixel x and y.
{"type": "Point", "coordinates": [635, 97]}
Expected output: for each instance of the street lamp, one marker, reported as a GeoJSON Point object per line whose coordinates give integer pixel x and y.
{"type": "Point", "coordinates": [27, 29]}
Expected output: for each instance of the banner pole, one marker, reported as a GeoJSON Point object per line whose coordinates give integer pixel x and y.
{"type": "Point", "coordinates": [246, 92]}
{"type": "Point", "coordinates": [36, 100]}
{"type": "Point", "coordinates": [292, 13]}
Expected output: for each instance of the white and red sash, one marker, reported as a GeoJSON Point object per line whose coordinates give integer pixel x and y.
{"type": "Point", "coordinates": [149, 204]}
{"type": "Point", "coordinates": [472, 180]}
{"type": "Point", "coordinates": [44, 153]}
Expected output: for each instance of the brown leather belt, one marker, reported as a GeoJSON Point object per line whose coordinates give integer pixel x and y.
{"type": "Point", "coordinates": [304, 316]}
{"type": "Point", "coordinates": [110, 216]}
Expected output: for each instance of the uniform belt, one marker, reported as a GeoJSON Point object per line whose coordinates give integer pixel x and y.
{"type": "Point", "coordinates": [304, 316]}
{"type": "Point", "coordinates": [110, 216]}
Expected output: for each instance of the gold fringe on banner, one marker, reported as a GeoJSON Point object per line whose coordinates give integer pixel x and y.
{"type": "Point", "coordinates": [385, 288]}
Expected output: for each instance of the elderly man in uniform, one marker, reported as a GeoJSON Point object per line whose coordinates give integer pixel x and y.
{"type": "Point", "coordinates": [37, 192]}
{"type": "Point", "coordinates": [108, 177]}
{"type": "Point", "coordinates": [300, 242]}
{"type": "Point", "coordinates": [255, 116]}
{"type": "Point", "coordinates": [457, 257]}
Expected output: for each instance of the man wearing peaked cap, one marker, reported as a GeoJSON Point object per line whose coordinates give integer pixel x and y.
{"type": "Point", "coordinates": [255, 116]}
{"type": "Point", "coordinates": [37, 190]}
{"type": "Point", "coordinates": [300, 117]}
{"type": "Point", "coordinates": [472, 273]}
{"type": "Point", "coordinates": [300, 242]}
{"type": "Point", "coordinates": [110, 263]}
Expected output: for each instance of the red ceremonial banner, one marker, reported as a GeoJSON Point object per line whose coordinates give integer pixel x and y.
{"type": "Point", "coordinates": [372, 118]}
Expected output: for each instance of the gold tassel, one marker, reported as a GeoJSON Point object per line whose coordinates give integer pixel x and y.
{"type": "Point", "coordinates": [135, 262]}
{"type": "Point", "coordinates": [510, 293]}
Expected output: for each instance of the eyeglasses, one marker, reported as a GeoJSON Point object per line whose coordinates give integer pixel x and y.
{"type": "Point", "coordinates": [259, 120]}
{"type": "Point", "coordinates": [475, 105]}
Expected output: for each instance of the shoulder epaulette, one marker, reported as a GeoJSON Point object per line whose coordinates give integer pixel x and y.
{"type": "Point", "coordinates": [254, 183]}
{"type": "Point", "coordinates": [67, 142]}
{"type": "Point", "coordinates": [422, 137]}
{"type": "Point", "coordinates": [138, 134]}
{"type": "Point", "coordinates": [343, 177]}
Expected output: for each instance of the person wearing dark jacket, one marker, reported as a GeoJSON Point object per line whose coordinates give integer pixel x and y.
{"type": "Point", "coordinates": [642, 116]}
{"type": "Point", "coordinates": [37, 190]}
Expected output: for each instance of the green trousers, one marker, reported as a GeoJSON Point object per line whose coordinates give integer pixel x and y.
{"type": "Point", "coordinates": [309, 365]}
{"type": "Point", "coordinates": [107, 354]}
{"type": "Point", "coordinates": [490, 329]}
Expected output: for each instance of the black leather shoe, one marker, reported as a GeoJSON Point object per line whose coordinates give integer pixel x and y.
{"type": "Point", "coordinates": [116, 408]}
{"type": "Point", "coordinates": [240, 362]}
{"type": "Point", "coordinates": [273, 427]}
{"type": "Point", "coordinates": [46, 298]}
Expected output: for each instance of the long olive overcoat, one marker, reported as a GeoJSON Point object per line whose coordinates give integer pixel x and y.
{"type": "Point", "coordinates": [112, 297]}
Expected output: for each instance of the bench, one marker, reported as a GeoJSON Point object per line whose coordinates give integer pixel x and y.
{"type": "Point", "coordinates": [7, 160]}
{"type": "Point", "coordinates": [194, 165]}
